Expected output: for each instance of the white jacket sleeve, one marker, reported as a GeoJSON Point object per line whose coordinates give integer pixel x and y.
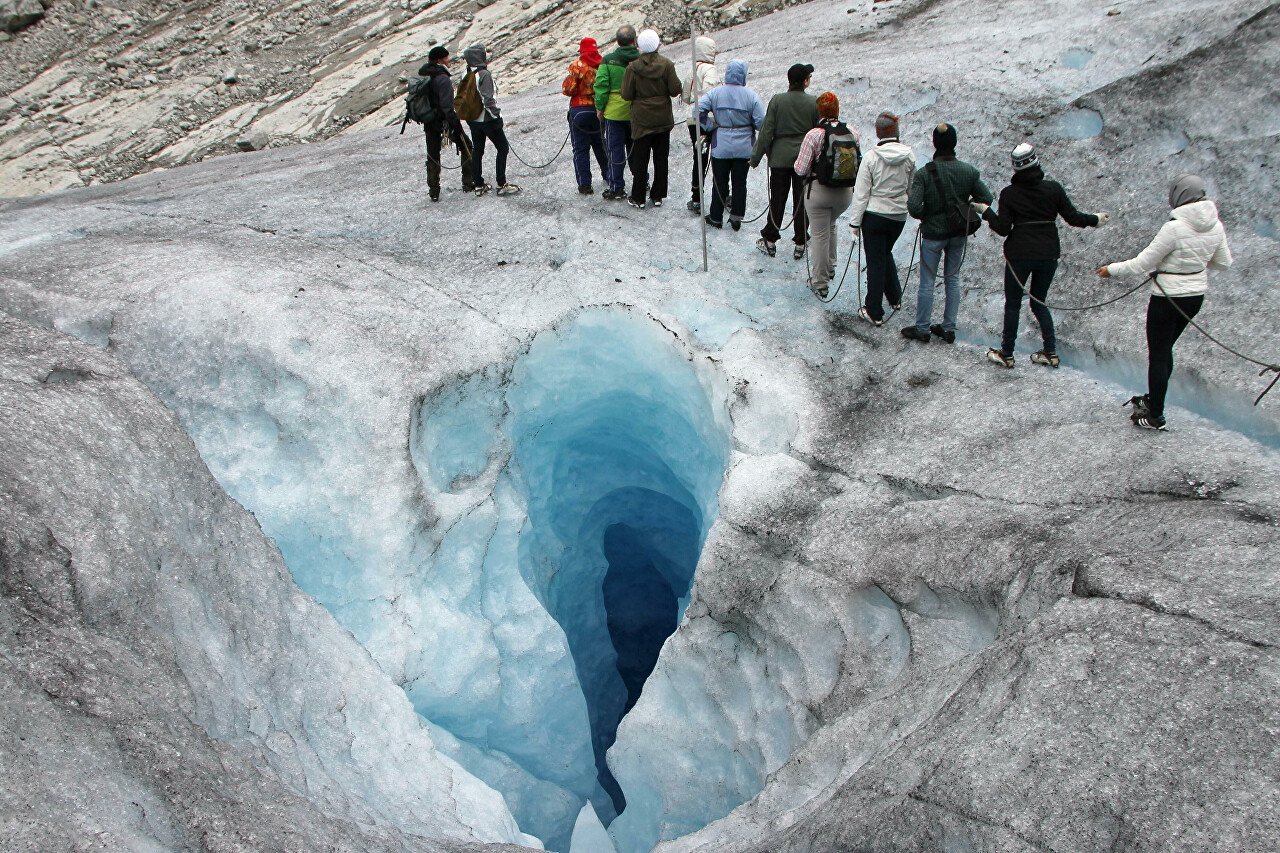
{"type": "Point", "coordinates": [1149, 260]}
{"type": "Point", "coordinates": [861, 193]}
{"type": "Point", "coordinates": [1221, 259]}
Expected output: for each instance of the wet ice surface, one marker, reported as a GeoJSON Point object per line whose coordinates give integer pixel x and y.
{"type": "Point", "coordinates": [905, 541]}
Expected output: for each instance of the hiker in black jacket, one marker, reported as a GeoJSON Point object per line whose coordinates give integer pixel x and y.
{"type": "Point", "coordinates": [1027, 217]}
{"type": "Point", "coordinates": [437, 68]}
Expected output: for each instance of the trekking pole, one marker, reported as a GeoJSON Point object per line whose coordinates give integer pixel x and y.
{"type": "Point", "coordinates": [697, 137]}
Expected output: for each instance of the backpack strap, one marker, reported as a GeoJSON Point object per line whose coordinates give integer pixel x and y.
{"type": "Point", "coordinates": [932, 169]}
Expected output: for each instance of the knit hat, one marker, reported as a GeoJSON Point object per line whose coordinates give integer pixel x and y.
{"type": "Point", "coordinates": [1024, 157]}
{"type": "Point", "coordinates": [437, 53]}
{"type": "Point", "coordinates": [944, 138]}
{"type": "Point", "coordinates": [887, 126]}
{"type": "Point", "coordinates": [797, 74]}
{"type": "Point", "coordinates": [828, 105]}
{"type": "Point", "coordinates": [649, 42]}
{"type": "Point", "coordinates": [1186, 189]}
{"type": "Point", "coordinates": [590, 52]}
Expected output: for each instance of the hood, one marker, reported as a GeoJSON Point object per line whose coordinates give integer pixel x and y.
{"type": "Point", "coordinates": [704, 49]}
{"type": "Point", "coordinates": [589, 53]}
{"type": "Point", "coordinates": [651, 66]}
{"type": "Point", "coordinates": [736, 73]}
{"type": "Point", "coordinates": [623, 56]}
{"type": "Point", "coordinates": [894, 153]}
{"type": "Point", "coordinates": [1200, 215]}
{"type": "Point", "coordinates": [476, 56]}
{"type": "Point", "coordinates": [1029, 176]}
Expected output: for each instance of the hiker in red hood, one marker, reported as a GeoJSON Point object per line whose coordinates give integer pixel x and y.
{"type": "Point", "coordinates": [584, 124]}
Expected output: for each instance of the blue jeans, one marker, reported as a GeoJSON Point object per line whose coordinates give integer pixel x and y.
{"type": "Point", "coordinates": [1036, 276]}
{"type": "Point", "coordinates": [587, 140]}
{"type": "Point", "coordinates": [617, 144]}
{"type": "Point", "coordinates": [931, 252]}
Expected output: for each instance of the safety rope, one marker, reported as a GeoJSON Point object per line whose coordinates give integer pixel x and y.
{"type": "Point", "coordinates": [547, 164]}
{"type": "Point", "coordinates": [1023, 287]}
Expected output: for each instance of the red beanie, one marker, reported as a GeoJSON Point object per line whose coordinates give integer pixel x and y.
{"type": "Point", "coordinates": [590, 52]}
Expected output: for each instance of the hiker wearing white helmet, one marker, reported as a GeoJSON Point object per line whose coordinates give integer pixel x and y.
{"type": "Point", "coordinates": [1027, 217]}
{"type": "Point", "coordinates": [1190, 244]}
{"type": "Point", "coordinates": [649, 84]}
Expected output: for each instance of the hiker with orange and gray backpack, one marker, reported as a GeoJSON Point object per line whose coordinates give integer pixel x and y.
{"type": "Point", "coordinates": [430, 103]}
{"type": "Point", "coordinates": [829, 158]}
{"type": "Point", "coordinates": [488, 121]}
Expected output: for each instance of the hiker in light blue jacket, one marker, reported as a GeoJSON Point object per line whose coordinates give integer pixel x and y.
{"type": "Point", "coordinates": [732, 114]}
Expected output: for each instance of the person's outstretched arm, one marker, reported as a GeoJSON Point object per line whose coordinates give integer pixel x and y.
{"type": "Point", "coordinates": [1149, 260]}
{"type": "Point", "coordinates": [1073, 217]}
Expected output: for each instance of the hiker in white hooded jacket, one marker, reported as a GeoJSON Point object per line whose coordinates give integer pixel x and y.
{"type": "Point", "coordinates": [1190, 244]}
{"type": "Point", "coordinates": [879, 213]}
{"type": "Point", "coordinates": [705, 78]}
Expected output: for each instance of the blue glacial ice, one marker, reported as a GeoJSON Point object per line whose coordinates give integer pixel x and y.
{"type": "Point", "coordinates": [1080, 124]}
{"type": "Point", "coordinates": [523, 593]}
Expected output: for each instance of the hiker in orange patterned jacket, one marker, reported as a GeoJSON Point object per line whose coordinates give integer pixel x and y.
{"type": "Point", "coordinates": [584, 124]}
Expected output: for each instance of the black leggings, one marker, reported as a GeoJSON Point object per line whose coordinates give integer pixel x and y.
{"type": "Point", "coordinates": [1164, 326]}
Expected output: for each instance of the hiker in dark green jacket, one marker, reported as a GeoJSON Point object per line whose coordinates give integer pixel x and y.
{"type": "Point", "coordinates": [943, 186]}
{"type": "Point", "coordinates": [789, 117]}
{"type": "Point", "coordinates": [614, 112]}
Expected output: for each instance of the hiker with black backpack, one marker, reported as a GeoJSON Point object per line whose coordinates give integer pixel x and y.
{"type": "Point", "coordinates": [829, 158]}
{"type": "Point", "coordinates": [949, 198]}
{"type": "Point", "coordinates": [488, 122]}
{"type": "Point", "coordinates": [730, 114]}
{"type": "Point", "coordinates": [430, 103]}
{"type": "Point", "coordinates": [1027, 217]}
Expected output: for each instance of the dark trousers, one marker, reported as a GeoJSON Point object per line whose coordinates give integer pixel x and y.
{"type": "Point", "coordinates": [1036, 276]}
{"type": "Point", "coordinates": [617, 143]}
{"type": "Point", "coordinates": [659, 146]}
{"type": "Point", "coordinates": [694, 139]}
{"type": "Point", "coordinates": [459, 138]}
{"type": "Point", "coordinates": [491, 129]}
{"type": "Point", "coordinates": [784, 182]}
{"type": "Point", "coordinates": [585, 132]}
{"type": "Point", "coordinates": [722, 173]}
{"type": "Point", "coordinates": [879, 233]}
{"type": "Point", "coordinates": [1164, 326]}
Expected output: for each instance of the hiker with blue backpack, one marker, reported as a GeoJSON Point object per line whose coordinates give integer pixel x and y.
{"type": "Point", "coordinates": [949, 198]}
{"type": "Point", "coordinates": [430, 103]}
{"type": "Point", "coordinates": [730, 114]}
{"type": "Point", "coordinates": [829, 158]}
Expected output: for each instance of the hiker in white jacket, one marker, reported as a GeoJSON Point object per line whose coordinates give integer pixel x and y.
{"type": "Point", "coordinates": [879, 213]}
{"type": "Point", "coordinates": [705, 78]}
{"type": "Point", "coordinates": [1190, 244]}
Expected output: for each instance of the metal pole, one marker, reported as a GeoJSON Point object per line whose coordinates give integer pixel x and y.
{"type": "Point", "coordinates": [697, 137]}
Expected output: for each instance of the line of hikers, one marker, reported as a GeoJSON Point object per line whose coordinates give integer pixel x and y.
{"type": "Point", "coordinates": [620, 112]}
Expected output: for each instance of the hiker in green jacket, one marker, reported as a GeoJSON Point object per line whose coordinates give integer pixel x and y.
{"type": "Point", "coordinates": [789, 117]}
{"type": "Point", "coordinates": [614, 112]}
{"type": "Point", "coordinates": [945, 186]}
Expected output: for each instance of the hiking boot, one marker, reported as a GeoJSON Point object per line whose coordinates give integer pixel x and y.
{"type": "Point", "coordinates": [1048, 359]}
{"type": "Point", "coordinates": [735, 224]}
{"type": "Point", "coordinates": [1001, 358]}
{"type": "Point", "coordinates": [508, 189]}
{"type": "Point", "coordinates": [1141, 406]}
{"type": "Point", "coordinates": [866, 315]}
{"type": "Point", "coordinates": [694, 207]}
{"type": "Point", "coordinates": [712, 222]}
{"type": "Point", "coordinates": [895, 308]}
{"type": "Point", "coordinates": [468, 188]}
{"type": "Point", "coordinates": [911, 333]}
{"type": "Point", "coordinates": [435, 195]}
{"type": "Point", "coordinates": [610, 195]}
{"type": "Point", "coordinates": [949, 337]}
{"type": "Point", "coordinates": [819, 290]}
{"type": "Point", "coordinates": [655, 202]}
{"type": "Point", "coordinates": [1149, 421]}
{"type": "Point", "coordinates": [481, 189]}
{"type": "Point", "coordinates": [639, 205]}
{"type": "Point", "coordinates": [586, 191]}
{"type": "Point", "coordinates": [798, 254]}
{"type": "Point", "coordinates": [770, 249]}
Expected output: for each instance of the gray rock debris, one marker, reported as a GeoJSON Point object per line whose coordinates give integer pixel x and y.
{"type": "Point", "coordinates": [254, 140]}
{"type": "Point", "coordinates": [19, 14]}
